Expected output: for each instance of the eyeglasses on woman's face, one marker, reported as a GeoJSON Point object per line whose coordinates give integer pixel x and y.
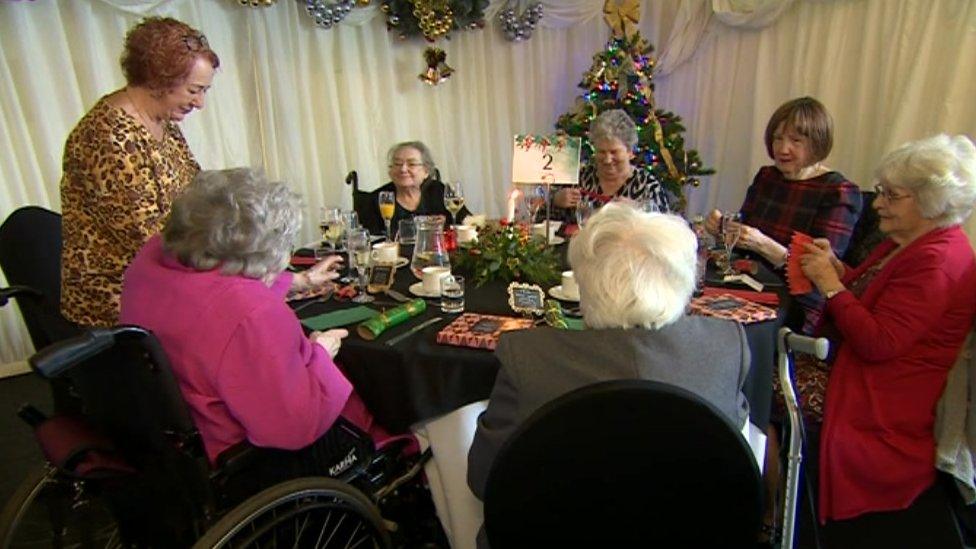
{"type": "Point", "coordinates": [889, 195]}
{"type": "Point", "coordinates": [410, 164]}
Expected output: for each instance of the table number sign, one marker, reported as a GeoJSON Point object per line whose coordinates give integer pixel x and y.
{"type": "Point", "coordinates": [550, 159]}
{"type": "Point", "coordinates": [526, 298]}
{"type": "Point", "coordinates": [381, 277]}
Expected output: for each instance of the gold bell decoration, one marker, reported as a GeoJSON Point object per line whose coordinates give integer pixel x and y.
{"type": "Point", "coordinates": [622, 16]}
{"type": "Point", "coordinates": [437, 69]}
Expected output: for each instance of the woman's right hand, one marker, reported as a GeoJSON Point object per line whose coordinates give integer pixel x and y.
{"type": "Point", "coordinates": [329, 340]}
{"type": "Point", "coordinates": [567, 198]}
{"type": "Point", "coordinates": [713, 222]}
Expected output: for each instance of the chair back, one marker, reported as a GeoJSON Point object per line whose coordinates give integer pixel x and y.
{"type": "Point", "coordinates": [362, 204]}
{"type": "Point", "coordinates": [625, 463]}
{"type": "Point", "coordinates": [30, 255]}
{"type": "Point", "coordinates": [866, 233]}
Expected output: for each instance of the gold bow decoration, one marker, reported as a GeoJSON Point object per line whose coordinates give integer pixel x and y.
{"type": "Point", "coordinates": [621, 14]}
{"type": "Point", "coordinates": [437, 69]}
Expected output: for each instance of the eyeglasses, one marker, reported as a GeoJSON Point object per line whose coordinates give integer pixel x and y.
{"type": "Point", "coordinates": [411, 165]}
{"type": "Point", "coordinates": [881, 190]}
{"type": "Point", "coordinates": [196, 42]}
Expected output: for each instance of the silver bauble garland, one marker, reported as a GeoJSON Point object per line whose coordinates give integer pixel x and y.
{"type": "Point", "coordinates": [326, 14]}
{"type": "Point", "coordinates": [519, 27]}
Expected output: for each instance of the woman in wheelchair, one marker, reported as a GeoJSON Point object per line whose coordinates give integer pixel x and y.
{"type": "Point", "coordinates": [212, 288]}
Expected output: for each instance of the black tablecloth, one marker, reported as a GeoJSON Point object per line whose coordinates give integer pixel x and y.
{"type": "Point", "coordinates": [418, 379]}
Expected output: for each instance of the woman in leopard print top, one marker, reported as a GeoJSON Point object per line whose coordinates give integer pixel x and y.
{"type": "Point", "coordinates": [125, 162]}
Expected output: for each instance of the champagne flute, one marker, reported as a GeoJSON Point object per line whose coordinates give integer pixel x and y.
{"type": "Point", "coordinates": [453, 199]}
{"type": "Point", "coordinates": [583, 211]}
{"type": "Point", "coordinates": [387, 201]}
{"type": "Point", "coordinates": [731, 230]}
{"type": "Point", "coordinates": [331, 226]}
{"type": "Point", "coordinates": [359, 250]}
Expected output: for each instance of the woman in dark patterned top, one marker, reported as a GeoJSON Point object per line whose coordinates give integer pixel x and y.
{"type": "Point", "coordinates": [126, 161]}
{"type": "Point", "coordinates": [611, 175]}
{"type": "Point", "coordinates": [797, 193]}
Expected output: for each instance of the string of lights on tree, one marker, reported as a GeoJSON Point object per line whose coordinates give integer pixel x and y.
{"type": "Point", "coordinates": [620, 78]}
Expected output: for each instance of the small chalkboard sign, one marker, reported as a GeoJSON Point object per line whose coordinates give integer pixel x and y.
{"type": "Point", "coordinates": [526, 298]}
{"type": "Point", "coordinates": [380, 277]}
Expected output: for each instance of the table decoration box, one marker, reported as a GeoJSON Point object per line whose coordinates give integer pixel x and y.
{"type": "Point", "coordinates": [728, 306]}
{"type": "Point", "coordinates": [480, 331]}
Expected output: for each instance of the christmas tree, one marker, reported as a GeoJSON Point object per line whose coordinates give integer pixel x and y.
{"type": "Point", "coordinates": [620, 78]}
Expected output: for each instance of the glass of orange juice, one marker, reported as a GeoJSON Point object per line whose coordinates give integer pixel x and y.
{"type": "Point", "coordinates": [387, 200]}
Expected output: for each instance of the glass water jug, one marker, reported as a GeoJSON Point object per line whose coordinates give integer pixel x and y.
{"type": "Point", "coordinates": [430, 249]}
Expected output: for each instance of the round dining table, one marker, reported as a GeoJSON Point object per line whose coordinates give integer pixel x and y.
{"type": "Point", "coordinates": [416, 379]}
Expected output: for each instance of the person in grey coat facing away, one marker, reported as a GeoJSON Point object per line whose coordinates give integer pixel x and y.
{"type": "Point", "coordinates": [636, 275]}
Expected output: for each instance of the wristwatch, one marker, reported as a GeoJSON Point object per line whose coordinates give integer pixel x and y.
{"type": "Point", "coordinates": [831, 293]}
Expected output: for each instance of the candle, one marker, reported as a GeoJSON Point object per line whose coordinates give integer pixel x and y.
{"type": "Point", "coordinates": [512, 199]}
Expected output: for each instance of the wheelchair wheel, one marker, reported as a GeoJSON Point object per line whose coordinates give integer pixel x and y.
{"type": "Point", "coordinates": [48, 510]}
{"type": "Point", "coordinates": [306, 512]}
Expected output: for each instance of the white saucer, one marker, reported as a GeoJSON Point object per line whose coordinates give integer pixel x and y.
{"type": "Point", "coordinates": [557, 292]}
{"type": "Point", "coordinates": [556, 240]}
{"type": "Point", "coordinates": [417, 289]}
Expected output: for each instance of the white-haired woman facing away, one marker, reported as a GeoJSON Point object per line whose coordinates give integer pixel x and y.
{"type": "Point", "coordinates": [636, 274]}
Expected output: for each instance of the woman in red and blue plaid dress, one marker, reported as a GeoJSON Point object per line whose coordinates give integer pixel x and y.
{"type": "Point", "coordinates": [797, 193]}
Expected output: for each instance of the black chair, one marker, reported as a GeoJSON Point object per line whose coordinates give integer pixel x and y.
{"type": "Point", "coordinates": [626, 463]}
{"type": "Point", "coordinates": [135, 456]}
{"type": "Point", "coordinates": [866, 233]}
{"type": "Point", "coordinates": [30, 255]}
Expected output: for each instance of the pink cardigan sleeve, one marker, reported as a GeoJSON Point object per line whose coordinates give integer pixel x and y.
{"type": "Point", "coordinates": [283, 389]}
{"type": "Point", "coordinates": [913, 298]}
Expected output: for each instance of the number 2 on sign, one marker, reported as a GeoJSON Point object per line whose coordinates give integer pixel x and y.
{"type": "Point", "coordinates": [548, 159]}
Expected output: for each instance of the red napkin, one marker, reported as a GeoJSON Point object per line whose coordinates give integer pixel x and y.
{"type": "Point", "coordinates": [798, 282]}
{"type": "Point", "coordinates": [764, 298]}
{"type": "Point", "coordinates": [303, 261]}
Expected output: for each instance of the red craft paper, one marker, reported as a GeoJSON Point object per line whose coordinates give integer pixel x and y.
{"type": "Point", "coordinates": [303, 261]}
{"type": "Point", "coordinates": [798, 282]}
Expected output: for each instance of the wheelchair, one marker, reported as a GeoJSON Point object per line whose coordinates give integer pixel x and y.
{"type": "Point", "coordinates": [131, 470]}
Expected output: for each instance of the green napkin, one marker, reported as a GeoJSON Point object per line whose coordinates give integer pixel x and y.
{"type": "Point", "coordinates": [342, 317]}
{"type": "Point", "coordinates": [574, 323]}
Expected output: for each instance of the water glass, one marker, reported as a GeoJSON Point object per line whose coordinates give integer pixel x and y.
{"type": "Point", "coordinates": [350, 224]}
{"type": "Point", "coordinates": [407, 232]}
{"type": "Point", "coordinates": [452, 294]}
{"type": "Point", "coordinates": [584, 210]}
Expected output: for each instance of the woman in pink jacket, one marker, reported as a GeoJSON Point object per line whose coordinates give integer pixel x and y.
{"type": "Point", "coordinates": [897, 322]}
{"type": "Point", "coordinates": [212, 288]}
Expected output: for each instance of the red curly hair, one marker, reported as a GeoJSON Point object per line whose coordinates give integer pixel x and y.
{"type": "Point", "coordinates": [160, 51]}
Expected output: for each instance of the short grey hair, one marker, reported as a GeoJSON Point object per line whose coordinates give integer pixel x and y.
{"type": "Point", "coordinates": [234, 219]}
{"type": "Point", "coordinates": [614, 123]}
{"type": "Point", "coordinates": [940, 171]}
{"type": "Point", "coordinates": [633, 268]}
{"type": "Point", "coordinates": [419, 146]}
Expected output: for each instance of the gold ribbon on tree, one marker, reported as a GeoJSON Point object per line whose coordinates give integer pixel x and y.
{"type": "Point", "coordinates": [620, 14]}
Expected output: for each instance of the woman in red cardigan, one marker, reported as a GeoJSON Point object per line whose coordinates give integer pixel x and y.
{"type": "Point", "coordinates": [897, 323]}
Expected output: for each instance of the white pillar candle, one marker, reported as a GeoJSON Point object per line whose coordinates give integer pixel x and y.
{"type": "Point", "coordinates": [512, 198]}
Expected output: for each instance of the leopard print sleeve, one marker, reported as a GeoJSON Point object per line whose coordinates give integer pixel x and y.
{"type": "Point", "coordinates": [118, 185]}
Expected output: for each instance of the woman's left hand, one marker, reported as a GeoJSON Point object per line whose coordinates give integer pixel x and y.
{"type": "Point", "coordinates": [320, 274]}
{"type": "Point", "coordinates": [817, 265]}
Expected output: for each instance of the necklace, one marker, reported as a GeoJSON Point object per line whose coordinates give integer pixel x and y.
{"type": "Point", "coordinates": [143, 117]}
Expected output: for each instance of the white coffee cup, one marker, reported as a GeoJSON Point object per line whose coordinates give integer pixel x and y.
{"type": "Point", "coordinates": [539, 229]}
{"type": "Point", "coordinates": [570, 289]}
{"type": "Point", "coordinates": [385, 252]}
{"type": "Point", "coordinates": [431, 279]}
{"type": "Point", "coordinates": [466, 233]}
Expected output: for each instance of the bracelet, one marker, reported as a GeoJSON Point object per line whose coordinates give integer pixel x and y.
{"type": "Point", "coordinates": [831, 293]}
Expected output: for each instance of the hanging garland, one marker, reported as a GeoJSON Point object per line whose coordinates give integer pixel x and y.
{"type": "Point", "coordinates": [433, 19]}
{"type": "Point", "coordinates": [519, 27]}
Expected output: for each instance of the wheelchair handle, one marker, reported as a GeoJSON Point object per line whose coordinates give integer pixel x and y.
{"type": "Point", "coordinates": [54, 360]}
{"type": "Point", "coordinates": [17, 291]}
{"type": "Point", "coordinates": [816, 346]}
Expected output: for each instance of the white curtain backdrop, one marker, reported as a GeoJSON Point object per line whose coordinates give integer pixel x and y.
{"type": "Point", "coordinates": [310, 104]}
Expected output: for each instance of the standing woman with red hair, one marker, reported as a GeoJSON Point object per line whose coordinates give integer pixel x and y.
{"type": "Point", "coordinates": [125, 162]}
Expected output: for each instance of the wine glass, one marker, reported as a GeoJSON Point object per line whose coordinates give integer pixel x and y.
{"type": "Point", "coordinates": [453, 199]}
{"type": "Point", "coordinates": [331, 226]}
{"type": "Point", "coordinates": [358, 246]}
{"type": "Point", "coordinates": [536, 197]}
{"type": "Point", "coordinates": [387, 201]}
{"type": "Point", "coordinates": [731, 230]}
{"type": "Point", "coordinates": [583, 211]}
